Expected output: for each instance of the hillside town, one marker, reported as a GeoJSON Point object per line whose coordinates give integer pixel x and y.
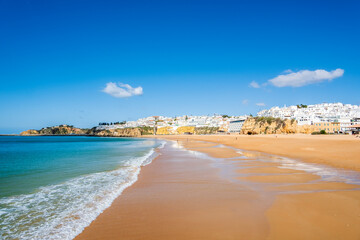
{"type": "Point", "coordinates": [222, 122]}
{"type": "Point", "coordinates": [337, 116]}
{"type": "Point", "coordinates": [328, 117]}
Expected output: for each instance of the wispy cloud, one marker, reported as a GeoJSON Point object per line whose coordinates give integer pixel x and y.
{"type": "Point", "coordinates": [288, 71]}
{"type": "Point", "coordinates": [305, 77]}
{"type": "Point", "coordinates": [254, 84]}
{"type": "Point", "coordinates": [245, 101]}
{"type": "Point", "coordinates": [261, 104]}
{"type": "Point", "coordinates": [122, 90]}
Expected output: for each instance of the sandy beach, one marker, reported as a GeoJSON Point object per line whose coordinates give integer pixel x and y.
{"type": "Point", "coordinates": [198, 189]}
{"type": "Point", "coordinates": [342, 151]}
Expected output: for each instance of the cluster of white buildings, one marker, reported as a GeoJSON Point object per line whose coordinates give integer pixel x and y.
{"type": "Point", "coordinates": [220, 121]}
{"type": "Point", "coordinates": [320, 115]}
{"type": "Point", "coordinates": [345, 114]}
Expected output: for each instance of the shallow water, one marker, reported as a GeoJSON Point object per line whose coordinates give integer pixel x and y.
{"type": "Point", "coordinates": [53, 187]}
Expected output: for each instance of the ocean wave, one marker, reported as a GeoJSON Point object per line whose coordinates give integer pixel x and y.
{"type": "Point", "coordinates": [62, 211]}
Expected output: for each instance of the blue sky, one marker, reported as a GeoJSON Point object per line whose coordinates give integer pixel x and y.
{"type": "Point", "coordinates": [189, 57]}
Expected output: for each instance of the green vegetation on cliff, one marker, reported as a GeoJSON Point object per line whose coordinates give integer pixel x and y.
{"type": "Point", "coordinates": [146, 130]}
{"type": "Point", "coordinates": [280, 123]}
{"type": "Point", "coordinates": [206, 130]}
{"type": "Point", "coordinates": [269, 120]}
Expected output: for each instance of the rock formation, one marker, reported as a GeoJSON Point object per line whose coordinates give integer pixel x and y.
{"type": "Point", "coordinates": [269, 125]}
{"type": "Point", "coordinates": [56, 130]}
{"type": "Point", "coordinates": [121, 132]}
{"type": "Point", "coordinates": [253, 125]}
{"type": "Point", "coordinates": [70, 130]}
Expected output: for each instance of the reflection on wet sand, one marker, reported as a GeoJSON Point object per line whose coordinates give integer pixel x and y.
{"type": "Point", "coordinates": [310, 201]}
{"type": "Point", "coordinates": [201, 190]}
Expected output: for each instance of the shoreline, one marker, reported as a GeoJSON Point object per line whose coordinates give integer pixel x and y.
{"type": "Point", "coordinates": [336, 151]}
{"type": "Point", "coordinates": [180, 190]}
{"type": "Point", "coordinates": [65, 185]}
{"type": "Point", "coordinates": [228, 195]}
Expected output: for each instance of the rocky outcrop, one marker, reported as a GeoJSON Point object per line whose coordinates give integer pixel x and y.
{"type": "Point", "coordinates": [269, 125]}
{"type": "Point", "coordinates": [207, 130]}
{"type": "Point", "coordinates": [123, 132]}
{"type": "Point", "coordinates": [30, 132]}
{"type": "Point", "coordinates": [175, 131]}
{"type": "Point", "coordinates": [70, 130]}
{"type": "Point", "coordinates": [56, 130]}
{"type": "Point", "coordinates": [253, 125]}
{"type": "Point", "coordinates": [185, 129]}
{"type": "Point", "coordinates": [165, 131]}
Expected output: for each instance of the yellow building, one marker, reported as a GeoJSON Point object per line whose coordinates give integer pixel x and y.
{"type": "Point", "coordinates": [329, 127]}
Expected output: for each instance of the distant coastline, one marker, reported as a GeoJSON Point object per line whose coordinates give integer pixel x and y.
{"type": "Point", "coordinates": [69, 130]}
{"type": "Point", "coordinates": [46, 135]}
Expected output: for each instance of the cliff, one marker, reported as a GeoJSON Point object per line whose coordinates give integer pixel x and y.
{"type": "Point", "coordinates": [70, 130]}
{"type": "Point", "coordinates": [177, 131]}
{"type": "Point", "coordinates": [165, 131]}
{"type": "Point", "coordinates": [123, 132]}
{"type": "Point", "coordinates": [30, 132]}
{"type": "Point", "coordinates": [253, 125]}
{"type": "Point", "coordinates": [56, 130]}
{"type": "Point", "coordinates": [269, 125]}
{"type": "Point", "coordinates": [187, 130]}
{"type": "Point", "coordinates": [207, 130]}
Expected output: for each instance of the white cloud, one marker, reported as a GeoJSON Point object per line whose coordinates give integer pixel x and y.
{"type": "Point", "coordinates": [254, 84]}
{"type": "Point", "coordinates": [261, 104]}
{"type": "Point", "coordinates": [245, 101]}
{"type": "Point", "coordinates": [122, 90]}
{"type": "Point", "coordinates": [288, 71]}
{"type": "Point", "coordinates": [305, 77]}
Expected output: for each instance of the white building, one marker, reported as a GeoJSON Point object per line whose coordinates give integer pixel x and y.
{"type": "Point", "coordinates": [235, 126]}
{"type": "Point", "coordinates": [325, 112]}
{"type": "Point", "coordinates": [175, 122]}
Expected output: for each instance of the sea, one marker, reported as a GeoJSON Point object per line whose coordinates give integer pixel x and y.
{"type": "Point", "coordinates": [52, 187]}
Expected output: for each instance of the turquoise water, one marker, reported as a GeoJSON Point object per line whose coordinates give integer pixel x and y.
{"type": "Point", "coordinates": [53, 187]}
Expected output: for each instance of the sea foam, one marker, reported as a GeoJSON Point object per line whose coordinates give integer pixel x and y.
{"type": "Point", "coordinates": [62, 211]}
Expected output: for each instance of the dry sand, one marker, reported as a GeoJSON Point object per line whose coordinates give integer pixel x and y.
{"type": "Point", "coordinates": [181, 196]}
{"type": "Point", "coordinates": [319, 215]}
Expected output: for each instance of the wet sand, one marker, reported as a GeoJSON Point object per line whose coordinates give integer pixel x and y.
{"type": "Point", "coordinates": [181, 196]}
{"type": "Point", "coordinates": [228, 195]}
{"type": "Point", "coordinates": [287, 178]}
{"type": "Point", "coordinates": [266, 169]}
{"type": "Point", "coordinates": [337, 151]}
